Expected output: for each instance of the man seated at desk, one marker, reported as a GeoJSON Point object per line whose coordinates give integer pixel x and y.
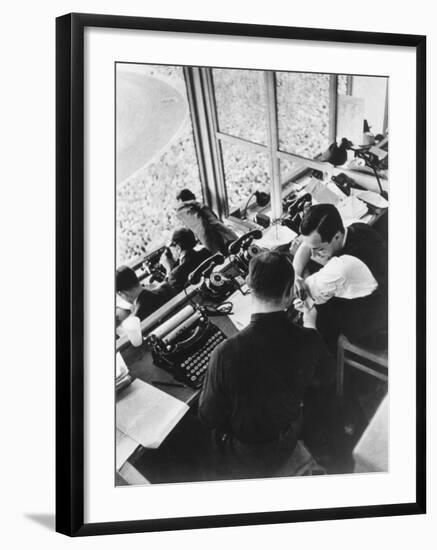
{"type": "Point", "coordinates": [351, 288]}
{"type": "Point", "coordinates": [181, 258]}
{"type": "Point", "coordinates": [210, 231]}
{"type": "Point", "coordinates": [144, 301]}
{"type": "Point", "coordinates": [253, 394]}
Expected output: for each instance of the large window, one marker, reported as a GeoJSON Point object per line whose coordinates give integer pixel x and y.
{"type": "Point", "coordinates": [246, 170]}
{"type": "Point", "coordinates": [156, 156]}
{"type": "Point", "coordinates": [266, 123]}
{"type": "Point", "coordinates": [241, 103]}
{"type": "Point", "coordinates": [303, 113]}
{"type": "Point", "coordinates": [269, 126]}
{"type": "Point", "coordinates": [230, 132]}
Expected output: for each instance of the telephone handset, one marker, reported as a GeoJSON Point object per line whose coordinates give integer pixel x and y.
{"type": "Point", "coordinates": [296, 211]}
{"type": "Point", "coordinates": [213, 284]}
{"type": "Point", "coordinates": [244, 250]}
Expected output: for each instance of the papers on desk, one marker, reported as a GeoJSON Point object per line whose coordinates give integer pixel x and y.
{"type": "Point", "coordinates": [276, 235]}
{"type": "Point", "coordinates": [370, 197]}
{"type": "Point", "coordinates": [147, 415]}
{"type": "Point", "coordinates": [124, 446]}
{"type": "Point", "coordinates": [321, 193]}
{"type": "Point", "coordinates": [351, 209]}
{"type": "Point", "coordinates": [241, 311]}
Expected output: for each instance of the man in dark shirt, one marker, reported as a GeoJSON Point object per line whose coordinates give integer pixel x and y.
{"type": "Point", "coordinates": [254, 388]}
{"type": "Point", "coordinates": [181, 258]}
{"type": "Point", "coordinates": [210, 231]}
{"type": "Point", "coordinates": [129, 288]}
{"type": "Point", "coordinates": [324, 236]}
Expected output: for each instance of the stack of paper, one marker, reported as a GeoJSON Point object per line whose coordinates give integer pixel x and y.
{"type": "Point", "coordinates": [147, 415]}
{"type": "Point", "coordinates": [276, 235]}
{"type": "Point", "coordinates": [321, 193]}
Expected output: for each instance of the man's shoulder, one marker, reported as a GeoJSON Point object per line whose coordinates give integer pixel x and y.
{"type": "Point", "coordinates": [307, 337]}
{"type": "Point", "coordinates": [201, 254]}
{"type": "Point", "coordinates": [226, 351]}
{"type": "Point", "coordinates": [361, 228]}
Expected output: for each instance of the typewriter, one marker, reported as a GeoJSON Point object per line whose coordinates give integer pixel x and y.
{"type": "Point", "coordinates": [183, 344]}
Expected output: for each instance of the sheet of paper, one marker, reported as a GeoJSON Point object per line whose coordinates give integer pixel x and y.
{"type": "Point", "coordinates": [124, 447]}
{"type": "Point", "coordinates": [352, 208]}
{"type": "Point", "coordinates": [241, 311]}
{"type": "Point", "coordinates": [372, 198]}
{"type": "Point", "coordinates": [146, 414]}
{"type": "Point", "coordinates": [321, 193]}
{"type": "Point", "coordinates": [276, 235]}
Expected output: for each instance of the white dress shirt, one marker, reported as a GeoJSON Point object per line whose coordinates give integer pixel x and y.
{"type": "Point", "coordinates": [342, 277]}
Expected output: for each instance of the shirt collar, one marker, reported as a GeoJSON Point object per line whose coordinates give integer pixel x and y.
{"type": "Point", "coordinates": [268, 317]}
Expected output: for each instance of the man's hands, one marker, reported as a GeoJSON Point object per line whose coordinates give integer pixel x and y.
{"type": "Point", "coordinates": [167, 260]}
{"type": "Point", "coordinates": [309, 313]}
{"type": "Point", "coordinates": [300, 288]}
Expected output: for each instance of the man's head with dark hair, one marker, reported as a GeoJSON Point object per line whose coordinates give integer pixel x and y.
{"type": "Point", "coordinates": [322, 230]}
{"type": "Point", "coordinates": [127, 284]}
{"type": "Point", "coordinates": [185, 195]}
{"type": "Point", "coordinates": [271, 278]}
{"type": "Point", "coordinates": [184, 238]}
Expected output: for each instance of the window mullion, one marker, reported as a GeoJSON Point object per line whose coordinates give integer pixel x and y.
{"type": "Point", "coordinates": [333, 97]}
{"type": "Point", "coordinates": [275, 180]}
{"type": "Point", "coordinates": [197, 114]}
{"type": "Point", "coordinates": [211, 112]}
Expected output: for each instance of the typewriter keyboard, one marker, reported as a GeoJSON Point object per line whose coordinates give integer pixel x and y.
{"type": "Point", "coordinates": [194, 366]}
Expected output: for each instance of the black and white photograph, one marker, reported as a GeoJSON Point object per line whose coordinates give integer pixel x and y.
{"type": "Point", "coordinates": [251, 277]}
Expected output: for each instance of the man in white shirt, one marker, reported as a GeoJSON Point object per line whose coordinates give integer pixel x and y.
{"type": "Point", "coordinates": [347, 299]}
{"type": "Point", "coordinates": [342, 277]}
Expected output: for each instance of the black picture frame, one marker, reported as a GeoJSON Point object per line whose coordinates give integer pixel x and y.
{"type": "Point", "coordinates": [70, 273]}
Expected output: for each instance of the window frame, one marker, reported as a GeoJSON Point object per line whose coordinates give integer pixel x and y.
{"type": "Point", "coordinates": [203, 104]}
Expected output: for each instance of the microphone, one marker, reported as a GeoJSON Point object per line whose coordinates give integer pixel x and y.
{"type": "Point", "coordinates": [235, 246]}
{"type": "Point", "coordinates": [195, 276]}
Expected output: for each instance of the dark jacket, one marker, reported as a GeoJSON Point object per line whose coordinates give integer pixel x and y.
{"type": "Point", "coordinates": [209, 230]}
{"type": "Point", "coordinates": [148, 302]}
{"type": "Point", "coordinates": [256, 380]}
{"type": "Point", "coordinates": [366, 244]}
{"type": "Point", "coordinates": [179, 274]}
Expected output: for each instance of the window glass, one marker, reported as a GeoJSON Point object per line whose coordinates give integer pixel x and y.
{"type": "Point", "coordinates": [155, 155]}
{"type": "Point", "coordinates": [245, 171]}
{"type": "Point", "coordinates": [372, 89]}
{"type": "Point", "coordinates": [303, 113]}
{"type": "Point", "coordinates": [241, 103]}
{"type": "Point", "coordinates": [342, 84]}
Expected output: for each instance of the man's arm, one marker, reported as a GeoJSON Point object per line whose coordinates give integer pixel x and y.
{"type": "Point", "coordinates": [213, 402]}
{"type": "Point", "coordinates": [300, 261]}
{"type": "Point", "coordinates": [301, 258]}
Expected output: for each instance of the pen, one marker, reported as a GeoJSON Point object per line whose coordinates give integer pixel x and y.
{"type": "Point", "coordinates": [171, 384]}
